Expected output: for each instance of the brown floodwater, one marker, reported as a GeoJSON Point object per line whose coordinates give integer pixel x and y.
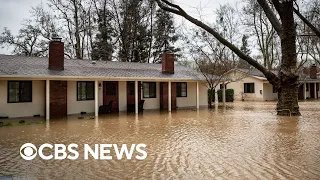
{"type": "Point", "coordinates": [244, 140]}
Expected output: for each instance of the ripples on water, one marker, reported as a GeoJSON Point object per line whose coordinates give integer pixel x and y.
{"type": "Point", "coordinates": [244, 140]}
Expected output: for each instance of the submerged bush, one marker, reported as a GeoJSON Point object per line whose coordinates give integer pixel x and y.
{"type": "Point", "coordinates": [229, 95]}
{"type": "Point", "coordinates": [211, 95]}
{"type": "Point", "coordinates": [90, 117]}
{"type": "Point", "coordinates": [8, 124]}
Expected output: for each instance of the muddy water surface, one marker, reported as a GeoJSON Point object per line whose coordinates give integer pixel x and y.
{"type": "Point", "coordinates": [245, 140]}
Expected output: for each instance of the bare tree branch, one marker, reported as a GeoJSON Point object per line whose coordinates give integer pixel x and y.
{"type": "Point", "coordinates": [173, 8]}
{"type": "Point", "coordinates": [305, 20]}
{"type": "Point", "coordinates": [271, 16]}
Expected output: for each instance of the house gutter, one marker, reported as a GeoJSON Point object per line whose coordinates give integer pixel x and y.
{"type": "Point", "coordinates": [94, 78]}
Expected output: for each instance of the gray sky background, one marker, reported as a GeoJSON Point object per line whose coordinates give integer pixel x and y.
{"type": "Point", "coordinates": [12, 12]}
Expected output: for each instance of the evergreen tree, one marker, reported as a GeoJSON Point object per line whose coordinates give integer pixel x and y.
{"type": "Point", "coordinates": [245, 49]}
{"type": "Point", "coordinates": [102, 48]}
{"type": "Point", "coordinates": [164, 35]}
{"type": "Point", "coordinates": [134, 31]}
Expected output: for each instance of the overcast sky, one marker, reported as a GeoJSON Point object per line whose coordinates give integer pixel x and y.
{"type": "Point", "coordinates": [12, 12]}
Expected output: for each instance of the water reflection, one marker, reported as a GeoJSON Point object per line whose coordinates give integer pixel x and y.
{"type": "Point", "coordinates": [244, 140]}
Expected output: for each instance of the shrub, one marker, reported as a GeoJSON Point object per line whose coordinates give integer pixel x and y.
{"type": "Point", "coordinates": [229, 95]}
{"type": "Point", "coordinates": [22, 121]}
{"type": "Point", "coordinates": [5, 124]}
{"type": "Point", "coordinates": [211, 95]}
{"type": "Point", "coordinates": [90, 117]}
{"type": "Point", "coordinates": [8, 124]}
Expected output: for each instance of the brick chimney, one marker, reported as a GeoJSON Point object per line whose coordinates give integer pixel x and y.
{"type": "Point", "coordinates": [56, 54]}
{"type": "Point", "coordinates": [168, 62]}
{"type": "Point", "coordinates": [313, 72]}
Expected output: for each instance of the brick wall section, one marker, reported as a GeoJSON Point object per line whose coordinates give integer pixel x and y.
{"type": "Point", "coordinates": [313, 72]}
{"type": "Point", "coordinates": [58, 99]}
{"type": "Point", "coordinates": [168, 63]}
{"type": "Point", "coordinates": [164, 95]}
{"type": "Point", "coordinates": [56, 55]}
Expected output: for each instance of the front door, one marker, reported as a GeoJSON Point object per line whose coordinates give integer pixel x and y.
{"type": "Point", "coordinates": [300, 95]}
{"type": "Point", "coordinates": [110, 93]}
{"type": "Point", "coordinates": [58, 99]}
{"type": "Point", "coordinates": [131, 92]}
{"type": "Point", "coordinates": [312, 90]}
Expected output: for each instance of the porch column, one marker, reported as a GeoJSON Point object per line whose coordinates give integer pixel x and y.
{"type": "Point", "coordinates": [223, 92]}
{"type": "Point", "coordinates": [96, 98]}
{"type": "Point", "coordinates": [169, 96]}
{"type": "Point", "coordinates": [47, 99]}
{"type": "Point", "coordinates": [304, 90]}
{"type": "Point", "coordinates": [197, 94]}
{"type": "Point", "coordinates": [315, 91]}
{"type": "Point", "coordinates": [136, 96]}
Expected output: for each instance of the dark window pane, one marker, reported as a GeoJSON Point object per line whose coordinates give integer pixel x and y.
{"type": "Point", "coordinates": [149, 90]}
{"type": "Point", "coordinates": [152, 89]}
{"type": "Point", "coordinates": [25, 91]}
{"type": "Point", "coordinates": [181, 89]}
{"type": "Point", "coordinates": [13, 91]}
{"type": "Point", "coordinates": [248, 87]}
{"type": "Point", "coordinates": [85, 90]}
{"type": "Point", "coordinates": [90, 91]}
{"type": "Point", "coordinates": [19, 91]}
{"type": "Point", "coordinates": [146, 90]}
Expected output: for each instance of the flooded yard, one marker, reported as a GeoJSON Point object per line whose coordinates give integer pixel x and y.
{"type": "Point", "coordinates": [244, 140]}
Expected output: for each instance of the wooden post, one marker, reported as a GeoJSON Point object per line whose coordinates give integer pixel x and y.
{"type": "Point", "coordinates": [136, 96]}
{"type": "Point", "coordinates": [197, 94]}
{"type": "Point", "coordinates": [304, 90]}
{"type": "Point", "coordinates": [47, 99]}
{"type": "Point", "coordinates": [96, 98]}
{"type": "Point", "coordinates": [169, 96]}
{"type": "Point", "coordinates": [223, 93]}
{"type": "Point", "coordinates": [315, 91]}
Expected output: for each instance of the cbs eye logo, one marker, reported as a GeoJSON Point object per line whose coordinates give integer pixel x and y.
{"type": "Point", "coordinates": [28, 151]}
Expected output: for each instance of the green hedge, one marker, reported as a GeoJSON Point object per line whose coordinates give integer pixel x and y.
{"type": "Point", "coordinates": [211, 95]}
{"type": "Point", "coordinates": [229, 95]}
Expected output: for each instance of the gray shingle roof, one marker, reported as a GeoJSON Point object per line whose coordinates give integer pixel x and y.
{"type": "Point", "coordinates": [255, 72]}
{"type": "Point", "coordinates": [11, 65]}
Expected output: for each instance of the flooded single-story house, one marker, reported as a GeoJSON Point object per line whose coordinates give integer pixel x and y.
{"type": "Point", "coordinates": [57, 87]}
{"type": "Point", "coordinates": [253, 85]}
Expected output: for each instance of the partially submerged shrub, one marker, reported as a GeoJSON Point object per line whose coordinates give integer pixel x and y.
{"type": "Point", "coordinates": [90, 117]}
{"type": "Point", "coordinates": [8, 124]}
{"type": "Point", "coordinates": [229, 95]}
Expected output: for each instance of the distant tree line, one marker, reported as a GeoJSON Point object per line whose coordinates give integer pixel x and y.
{"type": "Point", "coordinates": [122, 30]}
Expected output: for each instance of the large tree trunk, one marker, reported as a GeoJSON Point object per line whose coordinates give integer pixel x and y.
{"type": "Point", "coordinates": [286, 82]}
{"type": "Point", "coordinates": [289, 80]}
{"type": "Point", "coordinates": [77, 33]}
